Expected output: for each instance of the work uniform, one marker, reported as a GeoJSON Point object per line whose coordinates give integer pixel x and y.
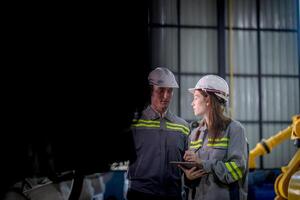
{"type": "Point", "coordinates": [158, 140]}
{"type": "Point", "coordinates": [226, 162]}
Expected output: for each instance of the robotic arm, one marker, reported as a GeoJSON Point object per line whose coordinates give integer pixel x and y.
{"type": "Point", "coordinates": [282, 187]}
{"type": "Point", "coordinates": [266, 146]}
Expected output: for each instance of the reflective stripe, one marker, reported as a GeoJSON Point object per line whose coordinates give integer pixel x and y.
{"type": "Point", "coordinates": [218, 142]}
{"type": "Point", "coordinates": [146, 121]}
{"type": "Point", "coordinates": [178, 129]}
{"type": "Point", "coordinates": [187, 130]}
{"type": "Point", "coordinates": [234, 170]}
{"type": "Point", "coordinates": [237, 169]}
{"type": "Point", "coordinates": [219, 139]}
{"type": "Point", "coordinates": [228, 166]}
{"type": "Point", "coordinates": [146, 125]}
{"type": "Point", "coordinates": [217, 145]}
{"type": "Point", "coordinates": [195, 146]}
{"type": "Point", "coordinates": [196, 141]}
{"type": "Point", "coordinates": [156, 124]}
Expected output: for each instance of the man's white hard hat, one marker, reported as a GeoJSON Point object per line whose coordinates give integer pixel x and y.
{"type": "Point", "coordinates": [213, 83]}
{"type": "Point", "coordinates": [162, 77]}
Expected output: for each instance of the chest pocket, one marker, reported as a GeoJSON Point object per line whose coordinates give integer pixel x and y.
{"type": "Point", "coordinates": [176, 134]}
{"type": "Point", "coordinates": [175, 140]}
{"type": "Point", "coordinates": [219, 153]}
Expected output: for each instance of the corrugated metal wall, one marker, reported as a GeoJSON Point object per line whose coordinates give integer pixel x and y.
{"type": "Point", "coordinates": [198, 12]}
{"type": "Point", "coordinates": [265, 60]}
{"type": "Point", "coordinates": [279, 14]}
{"type": "Point", "coordinates": [279, 53]}
{"type": "Point", "coordinates": [164, 48]}
{"type": "Point", "coordinates": [244, 47]}
{"type": "Point", "coordinates": [198, 51]}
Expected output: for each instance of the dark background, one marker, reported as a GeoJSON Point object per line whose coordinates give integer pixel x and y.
{"type": "Point", "coordinates": [72, 78]}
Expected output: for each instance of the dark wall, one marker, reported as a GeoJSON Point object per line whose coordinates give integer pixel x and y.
{"type": "Point", "coordinates": [76, 75]}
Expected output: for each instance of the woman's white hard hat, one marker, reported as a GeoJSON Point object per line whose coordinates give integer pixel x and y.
{"type": "Point", "coordinates": [214, 84]}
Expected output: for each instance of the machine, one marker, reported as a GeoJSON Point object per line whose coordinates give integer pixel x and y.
{"type": "Point", "coordinates": [287, 184]}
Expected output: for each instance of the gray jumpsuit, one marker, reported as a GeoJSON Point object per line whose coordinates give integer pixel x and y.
{"type": "Point", "coordinates": [157, 142]}
{"type": "Point", "coordinates": [225, 161]}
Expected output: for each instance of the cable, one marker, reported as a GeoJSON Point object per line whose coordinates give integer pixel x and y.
{"type": "Point", "coordinates": [230, 60]}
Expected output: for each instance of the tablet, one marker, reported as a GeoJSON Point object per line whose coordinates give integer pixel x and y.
{"type": "Point", "coordinates": [187, 165]}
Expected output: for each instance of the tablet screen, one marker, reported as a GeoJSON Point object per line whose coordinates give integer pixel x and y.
{"type": "Point", "coordinates": [187, 165]}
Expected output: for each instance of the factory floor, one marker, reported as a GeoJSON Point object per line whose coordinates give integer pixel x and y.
{"type": "Point", "coordinates": [261, 185]}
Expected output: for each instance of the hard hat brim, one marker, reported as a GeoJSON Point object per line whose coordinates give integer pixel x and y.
{"type": "Point", "coordinates": [192, 90]}
{"type": "Point", "coordinates": [165, 86]}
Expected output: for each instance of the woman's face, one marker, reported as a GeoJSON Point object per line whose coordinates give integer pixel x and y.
{"type": "Point", "coordinates": [200, 103]}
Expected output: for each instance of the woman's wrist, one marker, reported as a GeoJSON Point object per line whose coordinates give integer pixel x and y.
{"type": "Point", "coordinates": [199, 163]}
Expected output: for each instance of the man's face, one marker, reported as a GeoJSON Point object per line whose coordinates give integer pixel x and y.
{"type": "Point", "coordinates": [161, 98]}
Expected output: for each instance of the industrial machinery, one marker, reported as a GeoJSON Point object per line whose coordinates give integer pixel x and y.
{"type": "Point", "coordinates": [287, 184]}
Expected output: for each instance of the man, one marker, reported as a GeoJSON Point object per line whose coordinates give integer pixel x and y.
{"type": "Point", "coordinates": [160, 137]}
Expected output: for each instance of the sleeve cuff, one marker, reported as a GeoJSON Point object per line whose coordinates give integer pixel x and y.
{"type": "Point", "coordinates": [207, 165]}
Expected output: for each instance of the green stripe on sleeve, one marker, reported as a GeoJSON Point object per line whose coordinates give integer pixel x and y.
{"type": "Point", "coordinates": [228, 166]}
{"type": "Point", "coordinates": [237, 169]}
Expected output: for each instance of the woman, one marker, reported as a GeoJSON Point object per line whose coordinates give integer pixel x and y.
{"type": "Point", "coordinates": [218, 146]}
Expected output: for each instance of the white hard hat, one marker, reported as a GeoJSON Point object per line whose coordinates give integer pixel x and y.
{"type": "Point", "coordinates": [213, 83]}
{"type": "Point", "coordinates": [162, 77]}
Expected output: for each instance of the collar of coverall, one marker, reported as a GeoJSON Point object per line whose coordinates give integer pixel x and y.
{"type": "Point", "coordinates": [151, 114]}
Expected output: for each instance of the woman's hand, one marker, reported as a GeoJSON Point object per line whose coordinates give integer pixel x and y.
{"type": "Point", "coordinates": [192, 173]}
{"type": "Point", "coordinates": [191, 156]}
